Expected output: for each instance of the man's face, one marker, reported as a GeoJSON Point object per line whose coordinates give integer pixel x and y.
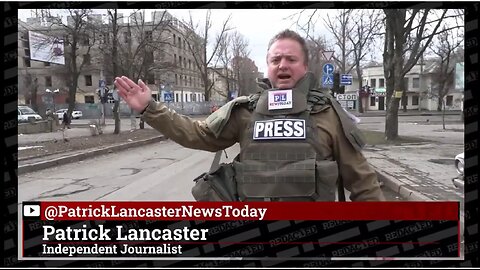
{"type": "Point", "coordinates": [286, 63]}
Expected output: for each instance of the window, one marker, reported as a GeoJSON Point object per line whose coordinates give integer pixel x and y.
{"type": "Point", "coordinates": [47, 64]}
{"type": "Point", "coordinates": [176, 79]}
{"type": "Point", "coordinates": [179, 42]}
{"type": "Point", "coordinates": [25, 44]}
{"type": "Point", "coordinates": [174, 40]}
{"type": "Point", "coordinates": [184, 44]}
{"type": "Point", "coordinates": [372, 101]}
{"type": "Point", "coordinates": [175, 59]}
{"type": "Point", "coordinates": [26, 62]}
{"type": "Point", "coordinates": [414, 100]}
{"type": "Point", "coordinates": [449, 101]}
{"type": "Point", "coordinates": [189, 64]}
{"type": "Point", "coordinates": [176, 97]}
{"type": "Point", "coordinates": [373, 83]}
{"type": "Point", "coordinates": [89, 99]}
{"type": "Point", "coordinates": [190, 78]}
{"type": "Point", "coordinates": [381, 83]}
{"type": "Point", "coordinates": [180, 60]}
{"type": "Point", "coordinates": [86, 59]}
{"type": "Point", "coordinates": [405, 81]}
{"type": "Point", "coordinates": [88, 80]}
{"type": "Point", "coordinates": [48, 81]}
{"type": "Point", "coordinates": [27, 52]}
{"type": "Point", "coordinates": [149, 35]}
{"type": "Point", "coordinates": [416, 83]}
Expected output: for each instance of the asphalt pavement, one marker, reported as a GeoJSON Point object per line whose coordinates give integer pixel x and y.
{"type": "Point", "coordinates": [409, 170]}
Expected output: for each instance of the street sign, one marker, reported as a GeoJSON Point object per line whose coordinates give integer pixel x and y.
{"type": "Point", "coordinates": [346, 79]}
{"type": "Point", "coordinates": [327, 55]}
{"type": "Point", "coordinates": [328, 68]}
{"type": "Point", "coordinates": [102, 83]}
{"type": "Point", "coordinates": [327, 80]}
{"type": "Point", "coordinates": [115, 95]}
{"type": "Point", "coordinates": [347, 97]}
{"type": "Point", "coordinates": [168, 96]}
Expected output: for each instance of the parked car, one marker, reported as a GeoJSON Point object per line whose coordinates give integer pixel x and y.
{"type": "Point", "coordinates": [26, 113]}
{"type": "Point", "coordinates": [460, 166]}
{"type": "Point", "coordinates": [75, 114]}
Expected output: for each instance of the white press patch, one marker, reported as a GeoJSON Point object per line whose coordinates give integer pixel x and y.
{"type": "Point", "coordinates": [279, 129]}
{"type": "Point", "coordinates": [280, 99]}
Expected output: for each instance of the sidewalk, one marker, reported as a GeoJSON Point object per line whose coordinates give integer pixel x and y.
{"type": "Point", "coordinates": [402, 113]}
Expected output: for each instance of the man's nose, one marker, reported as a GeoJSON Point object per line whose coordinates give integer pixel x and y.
{"type": "Point", "coordinates": [283, 64]}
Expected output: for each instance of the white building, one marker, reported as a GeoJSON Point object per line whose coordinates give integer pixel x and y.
{"type": "Point", "coordinates": [420, 89]}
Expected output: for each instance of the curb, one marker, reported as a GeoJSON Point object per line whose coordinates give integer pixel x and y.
{"type": "Point", "coordinates": [400, 188]}
{"type": "Point", "coordinates": [22, 169]}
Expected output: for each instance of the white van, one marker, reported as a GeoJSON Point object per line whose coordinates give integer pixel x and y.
{"type": "Point", "coordinates": [26, 113]}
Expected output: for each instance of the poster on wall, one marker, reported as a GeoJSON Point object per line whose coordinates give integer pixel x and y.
{"type": "Point", "coordinates": [46, 48]}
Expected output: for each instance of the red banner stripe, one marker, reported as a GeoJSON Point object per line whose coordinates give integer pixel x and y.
{"type": "Point", "coordinates": [250, 211]}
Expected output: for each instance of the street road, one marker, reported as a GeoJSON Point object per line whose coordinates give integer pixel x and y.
{"type": "Point", "coordinates": [158, 172]}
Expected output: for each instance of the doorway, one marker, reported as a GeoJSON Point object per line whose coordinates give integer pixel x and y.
{"type": "Point", "coordinates": [381, 103]}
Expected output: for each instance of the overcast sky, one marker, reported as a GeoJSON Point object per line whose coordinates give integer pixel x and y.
{"type": "Point", "coordinates": [257, 25]}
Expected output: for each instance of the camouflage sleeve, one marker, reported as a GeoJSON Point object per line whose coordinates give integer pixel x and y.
{"type": "Point", "coordinates": [358, 176]}
{"type": "Point", "coordinates": [186, 131]}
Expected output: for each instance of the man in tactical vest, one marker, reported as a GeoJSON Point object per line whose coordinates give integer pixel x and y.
{"type": "Point", "coordinates": [297, 143]}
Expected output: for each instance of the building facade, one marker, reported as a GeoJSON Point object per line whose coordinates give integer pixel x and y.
{"type": "Point", "coordinates": [167, 65]}
{"type": "Point", "coordinates": [420, 87]}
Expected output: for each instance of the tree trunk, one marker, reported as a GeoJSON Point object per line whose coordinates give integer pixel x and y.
{"type": "Point", "coordinates": [443, 115]}
{"type": "Point", "coordinates": [116, 107]}
{"type": "Point", "coordinates": [439, 104]}
{"type": "Point", "coordinates": [391, 120]}
{"type": "Point", "coordinates": [116, 116]}
{"type": "Point", "coordinates": [360, 98]}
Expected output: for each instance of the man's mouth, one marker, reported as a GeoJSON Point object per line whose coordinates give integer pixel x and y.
{"type": "Point", "coordinates": [284, 76]}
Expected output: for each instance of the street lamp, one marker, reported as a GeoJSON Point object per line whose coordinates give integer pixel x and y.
{"type": "Point", "coordinates": [52, 93]}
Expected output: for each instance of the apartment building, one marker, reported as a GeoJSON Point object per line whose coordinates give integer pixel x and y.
{"type": "Point", "coordinates": [165, 62]}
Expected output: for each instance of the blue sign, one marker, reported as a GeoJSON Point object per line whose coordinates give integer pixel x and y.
{"type": "Point", "coordinates": [327, 80]}
{"type": "Point", "coordinates": [168, 96]}
{"type": "Point", "coordinates": [280, 97]}
{"type": "Point", "coordinates": [346, 79]}
{"type": "Point", "coordinates": [328, 69]}
{"type": "Point", "coordinates": [102, 83]}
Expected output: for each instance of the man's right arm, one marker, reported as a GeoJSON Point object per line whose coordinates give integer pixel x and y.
{"type": "Point", "coordinates": [188, 132]}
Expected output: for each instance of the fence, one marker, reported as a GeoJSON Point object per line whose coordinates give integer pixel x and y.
{"type": "Point", "coordinates": [93, 111]}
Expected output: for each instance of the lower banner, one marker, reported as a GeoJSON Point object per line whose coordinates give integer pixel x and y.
{"type": "Point", "coordinates": [79, 233]}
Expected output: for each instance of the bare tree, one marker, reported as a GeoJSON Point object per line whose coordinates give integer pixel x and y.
{"type": "Point", "coordinates": [316, 46]}
{"type": "Point", "coordinates": [137, 49]}
{"type": "Point", "coordinates": [353, 32]}
{"type": "Point", "coordinates": [341, 27]}
{"type": "Point", "coordinates": [407, 35]}
{"type": "Point", "coordinates": [79, 38]}
{"type": "Point", "coordinates": [113, 31]}
{"type": "Point", "coordinates": [444, 76]}
{"type": "Point", "coordinates": [197, 41]}
{"type": "Point", "coordinates": [225, 58]}
{"type": "Point", "coordinates": [366, 26]}
{"type": "Point", "coordinates": [243, 67]}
